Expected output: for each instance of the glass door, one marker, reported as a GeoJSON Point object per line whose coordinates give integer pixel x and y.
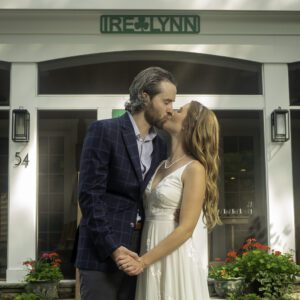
{"type": "Point", "coordinates": [61, 135]}
{"type": "Point", "coordinates": [242, 182]}
{"type": "Point", "coordinates": [295, 125]}
{"type": "Point", "coordinates": [4, 119]}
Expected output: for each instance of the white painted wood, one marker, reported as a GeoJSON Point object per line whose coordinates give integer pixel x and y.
{"type": "Point", "coordinates": [243, 5]}
{"type": "Point", "coordinates": [43, 35]}
{"type": "Point", "coordinates": [211, 22]}
{"type": "Point", "coordinates": [22, 180]}
{"type": "Point", "coordinates": [280, 198]}
{"type": "Point", "coordinates": [105, 103]}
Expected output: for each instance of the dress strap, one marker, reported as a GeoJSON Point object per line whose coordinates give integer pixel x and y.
{"type": "Point", "coordinates": [182, 168]}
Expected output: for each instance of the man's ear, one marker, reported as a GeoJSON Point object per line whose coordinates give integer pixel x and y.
{"type": "Point", "coordinates": [146, 98]}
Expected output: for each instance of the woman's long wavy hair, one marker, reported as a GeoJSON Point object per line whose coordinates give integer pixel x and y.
{"type": "Point", "coordinates": [201, 140]}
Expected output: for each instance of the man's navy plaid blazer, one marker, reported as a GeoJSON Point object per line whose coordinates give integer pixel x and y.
{"type": "Point", "coordinates": [110, 190]}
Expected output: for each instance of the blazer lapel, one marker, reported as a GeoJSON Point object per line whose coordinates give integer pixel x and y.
{"type": "Point", "coordinates": [131, 145]}
{"type": "Point", "coordinates": [154, 162]}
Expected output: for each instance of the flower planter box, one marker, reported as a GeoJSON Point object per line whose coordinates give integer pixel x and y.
{"type": "Point", "coordinates": [47, 290]}
{"type": "Point", "coordinates": [225, 286]}
{"type": "Point", "coordinates": [8, 291]}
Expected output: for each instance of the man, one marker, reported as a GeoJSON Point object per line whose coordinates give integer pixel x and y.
{"type": "Point", "coordinates": [119, 157]}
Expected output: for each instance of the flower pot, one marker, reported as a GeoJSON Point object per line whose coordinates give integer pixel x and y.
{"type": "Point", "coordinates": [211, 287]}
{"type": "Point", "coordinates": [225, 286]}
{"type": "Point", "coordinates": [44, 289]}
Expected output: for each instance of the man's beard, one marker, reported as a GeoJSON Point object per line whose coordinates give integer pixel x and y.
{"type": "Point", "coordinates": [153, 118]}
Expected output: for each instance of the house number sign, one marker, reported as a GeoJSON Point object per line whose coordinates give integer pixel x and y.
{"type": "Point", "coordinates": [21, 161]}
{"type": "Point", "coordinates": [150, 24]}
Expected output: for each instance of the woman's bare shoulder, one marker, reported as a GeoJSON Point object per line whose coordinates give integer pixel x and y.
{"type": "Point", "coordinates": [195, 168]}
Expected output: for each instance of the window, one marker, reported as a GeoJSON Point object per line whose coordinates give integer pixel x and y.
{"type": "Point", "coordinates": [242, 182]}
{"type": "Point", "coordinates": [4, 127]}
{"type": "Point", "coordinates": [61, 135]}
{"type": "Point", "coordinates": [4, 83]}
{"type": "Point", "coordinates": [112, 73]}
{"type": "Point", "coordinates": [295, 135]}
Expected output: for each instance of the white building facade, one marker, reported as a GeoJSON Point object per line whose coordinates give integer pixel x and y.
{"type": "Point", "coordinates": [240, 58]}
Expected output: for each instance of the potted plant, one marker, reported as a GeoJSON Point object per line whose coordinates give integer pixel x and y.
{"type": "Point", "coordinates": [268, 273]}
{"type": "Point", "coordinates": [43, 275]}
{"type": "Point", "coordinates": [227, 276]}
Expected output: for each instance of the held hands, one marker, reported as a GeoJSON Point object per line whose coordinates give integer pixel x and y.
{"type": "Point", "coordinates": [131, 265]}
{"type": "Point", "coordinates": [123, 251]}
{"type": "Point", "coordinates": [128, 261]}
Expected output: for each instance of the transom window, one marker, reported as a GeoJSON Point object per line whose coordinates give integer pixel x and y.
{"type": "Point", "coordinates": [112, 73]}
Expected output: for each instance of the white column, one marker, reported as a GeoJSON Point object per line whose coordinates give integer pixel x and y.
{"type": "Point", "coordinates": [22, 180]}
{"type": "Point", "coordinates": [278, 163]}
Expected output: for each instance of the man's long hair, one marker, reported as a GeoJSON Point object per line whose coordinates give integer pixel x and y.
{"type": "Point", "coordinates": [147, 81]}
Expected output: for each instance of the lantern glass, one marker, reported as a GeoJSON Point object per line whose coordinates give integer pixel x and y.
{"type": "Point", "coordinates": [280, 125]}
{"type": "Point", "coordinates": [20, 125]}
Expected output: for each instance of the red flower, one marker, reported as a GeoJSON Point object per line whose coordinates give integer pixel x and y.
{"type": "Point", "coordinates": [251, 240]}
{"type": "Point", "coordinates": [246, 246]}
{"type": "Point", "coordinates": [232, 253]}
{"type": "Point", "coordinates": [29, 262]}
{"type": "Point", "coordinates": [261, 247]}
{"type": "Point", "coordinates": [218, 259]}
{"type": "Point", "coordinates": [53, 254]}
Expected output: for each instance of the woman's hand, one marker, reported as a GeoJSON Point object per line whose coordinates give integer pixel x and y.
{"type": "Point", "coordinates": [129, 265]}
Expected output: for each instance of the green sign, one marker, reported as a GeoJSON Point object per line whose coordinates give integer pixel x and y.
{"type": "Point", "coordinates": [117, 113]}
{"type": "Point", "coordinates": [151, 24]}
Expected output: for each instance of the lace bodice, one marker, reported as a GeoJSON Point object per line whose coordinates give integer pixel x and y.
{"type": "Point", "coordinates": [162, 201]}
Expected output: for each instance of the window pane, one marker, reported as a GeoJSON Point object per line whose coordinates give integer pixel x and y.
{"type": "Point", "coordinates": [294, 79]}
{"type": "Point", "coordinates": [4, 83]}
{"type": "Point", "coordinates": [4, 125]}
{"type": "Point", "coordinates": [295, 125]}
{"type": "Point", "coordinates": [61, 135]}
{"type": "Point", "coordinates": [242, 182]}
{"type": "Point", "coordinates": [112, 73]}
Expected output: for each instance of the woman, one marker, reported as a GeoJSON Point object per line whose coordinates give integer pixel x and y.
{"type": "Point", "coordinates": [170, 264]}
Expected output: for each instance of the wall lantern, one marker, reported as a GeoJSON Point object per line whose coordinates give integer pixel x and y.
{"type": "Point", "coordinates": [280, 125]}
{"type": "Point", "coordinates": [20, 125]}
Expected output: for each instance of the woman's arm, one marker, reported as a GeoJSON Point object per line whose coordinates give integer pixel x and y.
{"type": "Point", "coordinates": [193, 179]}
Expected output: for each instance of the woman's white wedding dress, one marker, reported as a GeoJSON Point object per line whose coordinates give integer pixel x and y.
{"type": "Point", "coordinates": [182, 275]}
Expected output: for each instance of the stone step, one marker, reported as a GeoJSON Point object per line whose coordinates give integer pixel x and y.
{"type": "Point", "coordinates": [8, 290]}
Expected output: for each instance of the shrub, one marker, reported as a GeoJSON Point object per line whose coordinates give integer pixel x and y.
{"type": "Point", "coordinates": [27, 296]}
{"type": "Point", "coordinates": [45, 268]}
{"type": "Point", "coordinates": [268, 274]}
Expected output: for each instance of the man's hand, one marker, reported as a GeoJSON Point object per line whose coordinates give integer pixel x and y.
{"type": "Point", "coordinates": [122, 251]}
{"type": "Point", "coordinates": [131, 266]}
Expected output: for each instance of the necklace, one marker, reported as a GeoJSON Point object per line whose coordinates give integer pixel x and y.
{"type": "Point", "coordinates": [174, 162]}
